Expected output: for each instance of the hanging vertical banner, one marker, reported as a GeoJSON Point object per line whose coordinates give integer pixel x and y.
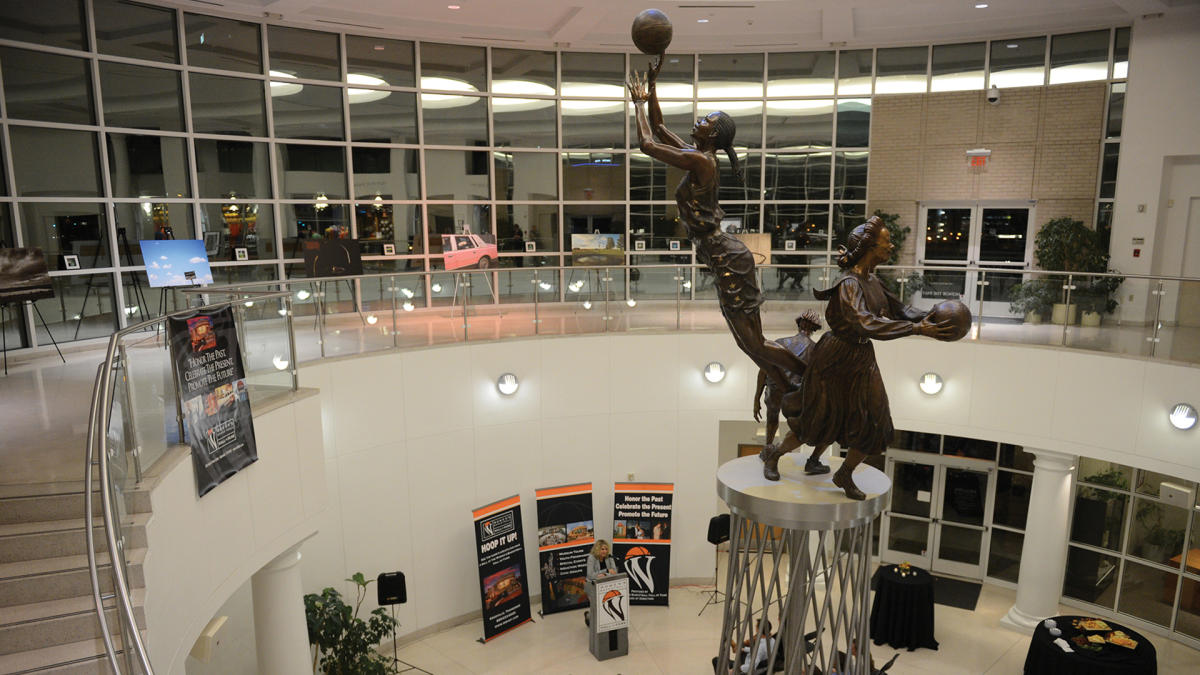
{"type": "Point", "coordinates": [642, 538]}
{"type": "Point", "coordinates": [565, 537]}
{"type": "Point", "coordinates": [211, 383]}
{"type": "Point", "coordinates": [502, 579]}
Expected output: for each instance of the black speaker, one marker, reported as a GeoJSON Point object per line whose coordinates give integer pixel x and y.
{"type": "Point", "coordinates": [392, 590]}
{"type": "Point", "coordinates": [718, 529]}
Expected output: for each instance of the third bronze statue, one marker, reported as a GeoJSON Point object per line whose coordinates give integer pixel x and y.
{"type": "Point", "coordinates": [832, 391]}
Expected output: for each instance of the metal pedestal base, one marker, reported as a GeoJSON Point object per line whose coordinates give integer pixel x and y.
{"type": "Point", "coordinates": [800, 556]}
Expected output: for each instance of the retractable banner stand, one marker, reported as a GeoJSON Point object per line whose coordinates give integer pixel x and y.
{"type": "Point", "coordinates": [642, 538]}
{"type": "Point", "coordinates": [211, 382]}
{"type": "Point", "coordinates": [502, 579]}
{"type": "Point", "coordinates": [565, 537]}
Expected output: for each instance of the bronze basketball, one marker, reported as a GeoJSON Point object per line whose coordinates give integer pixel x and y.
{"type": "Point", "coordinates": [652, 32]}
{"type": "Point", "coordinates": [954, 312]}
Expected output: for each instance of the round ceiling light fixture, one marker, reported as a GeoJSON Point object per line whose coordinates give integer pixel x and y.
{"type": "Point", "coordinates": [931, 383]}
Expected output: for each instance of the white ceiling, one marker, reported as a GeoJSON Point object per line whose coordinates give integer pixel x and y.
{"type": "Point", "coordinates": [733, 25]}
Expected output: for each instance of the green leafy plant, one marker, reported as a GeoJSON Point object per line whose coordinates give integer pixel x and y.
{"type": "Point", "coordinates": [346, 644]}
{"type": "Point", "coordinates": [1067, 245]}
{"type": "Point", "coordinates": [1035, 296]}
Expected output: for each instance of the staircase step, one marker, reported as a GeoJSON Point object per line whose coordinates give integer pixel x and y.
{"type": "Point", "coordinates": [41, 507]}
{"type": "Point", "coordinates": [54, 538]}
{"type": "Point", "coordinates": [55, 622]}
{"type": "Point", "coordinates": [32, 581]}
{"type": "Point", "coordinates": [85, 657]}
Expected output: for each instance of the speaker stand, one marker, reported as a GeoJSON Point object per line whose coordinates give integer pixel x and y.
{"type": "Point", "coordinates": [715, 597]}
{"type": "Point", "coordinates": [396, 659]}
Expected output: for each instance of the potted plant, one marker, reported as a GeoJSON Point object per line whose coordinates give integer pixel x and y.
{"type": "Point", "coordinates": [1067, 245]}
{"type": "Point", "coordinates": [1032, 299]}
{"type": "Point", "coordinates": [346, 644]}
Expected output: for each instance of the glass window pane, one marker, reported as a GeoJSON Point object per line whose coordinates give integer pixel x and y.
{"type": "Point", "coordinates": [382, 116]}
{"type": "Point", "coordinates": [137, 31]}
{"type": "Point", "coordinates": [805, 224]}
{"type": "Point", "coordinates": [675, 80]}
{"type": "Point", "coordinates": [741, 218]}
{"type": "Point", "coordinates": [242, 274]}
{"type": "Point", "coordinates": [526, 176]}
{"type": "Point", "coordinates": [523, 72]}
{"type": "Point", "coordinates": [854, 71]}
{"type": "Point", "coordinates": [1090, 576]}
{"type": "Point", "coordinates": [386, 173]}
{"type": "Point", "coordinates": [748, 187]}
{"type": "Point", "coordinates": [651, 179]}
{"type": "Point", "coordinates": [850, 175]}
{"type": "Point", "coordinates": [55, 162]}
{"type": "Point", "coordinates": [310, 171]}
{"type": "Point", "coordinates": [228, 105]}
{"type": "Point", "coordinates": [456, 174]}
{"type": "Point", "coordinates": [1015, 457]}
{"type": "Point", "coordinates": [524, 122]}
{"type": "Point", "coordinates": [1002, 235]}
{"type": "Point", "coordinates": [901, 70]}
{"type": "Point", "coordinates": [152, 220]}
{"type": "Point", "coordinates": [915, 440]}
{"type": "Point", "coordinates": [390, 61]}
{"type": "Point", "coordinates": [1150, 482]}
{"type": "Point", "coordinates": [1187, 621]}
{"type": "Point", "coordinates": [380, 224]}
{"type": "Point", "coordinates": [958, 446]}
{"type": "Point", "coordinates": [1100, 472]}
{"type": "Point", "coordinates": [593, 124]}
{"type": "Point", "coordinates": [312, 220]}
{"type": "Point", "coordinates": [1116, 110]}
{"type": "Point", "coordinates": [517, 224]}
{"type": "Point", "coordinates": [746, 115]}
{"type": "Point", "coordinates": [1004, 555]}
{"type": "Point", "coordinates": [453, 67]}
{"type": "Point", "coordinates": [307, 111]}
{"type": "Point", "coordinates": [241, 225]}
{"type": "Point", "coordinates": [1012, 499]}
{"type": "Point", "coordinates": [593, 218]}
{"type": "Point", "coordinates": [854, 122]}
{"type": "Point", "coordinates": [800, 123]}
{"type": "Point", "coordinates": [222, 43]}
{"type": "Point", "coordinates": [731, 75]}
{"type": "Point", "coordinates": [846, 217]}
{"type": "Point", "coordinates": [46, 87]}
{"type": "Point", "coordinates": [69, 317]}
{"type": "Point", "coordinates": [452, 219]}
{"type": "Point", "coordinates": [678, 116]}
{"type": "Point", "coordinates": [593, 176]}
{"type": "Point", "coordinates": [800, 74]}
{"type": "Point", "coordinates": [68, 228]}
{"type": "Point", "coordinates": [1099, 517]}
{"type": "Point", "coordinates": [593, 75]}
{"type": "Point", "coordinates": [797, 176]}
{"type": "Point", "coordinates": [454, 120]}
{"type": "Point", "coordinates": [1121, 53]}
{"type": "Point", "coordinates": [306, 54]}
{"type": "Point", "coordinates": [1018, 63]}
{"type": "Point", "coordinates": [1147, 593]}
{"type": "Point", "coordinates": [141, 98]}
{"type": "Point", "coordinates": [1158, 531]}
{"type": "Point", "coordinates": [58, 23]}
{"type": "Point", "coordinates": [1079, 57]}
{"type": "Point", "coordinates": [1108, 170]}
{"type": "Point", "coordinates": [958, 67]}
{"type": "Point", "coordinates": [908, 536]}
{"type": "Point", "coordinates": [148, 166]}
{"type": "Point", "coordinates": [232, 169]}
{"type": "Point", "coordinates": [657, 225]}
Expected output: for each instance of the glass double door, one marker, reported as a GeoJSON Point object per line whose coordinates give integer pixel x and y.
{"type": "Point", "coordinates": [974, 235]}
{"type": "Point", "coordinates": [940, 513]}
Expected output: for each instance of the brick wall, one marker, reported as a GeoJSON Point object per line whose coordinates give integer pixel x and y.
{"type": "Point", "coordinates": [1045, 144]}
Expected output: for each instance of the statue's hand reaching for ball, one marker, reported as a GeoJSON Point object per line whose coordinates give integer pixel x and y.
{"type": "Point", "coordinates": [941, 330]}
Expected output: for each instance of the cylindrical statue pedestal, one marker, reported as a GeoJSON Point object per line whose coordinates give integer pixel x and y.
{"type": "Point", "coordinates": [801, 546]}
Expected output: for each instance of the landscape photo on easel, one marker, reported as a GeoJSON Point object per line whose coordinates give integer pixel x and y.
{"type": "Point", "coordinates": [24, 275]}
{"type": "Point", "coordinates": [168, 262]}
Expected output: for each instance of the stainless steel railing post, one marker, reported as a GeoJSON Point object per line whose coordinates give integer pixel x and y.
{"type": "Point", "coordinates": [536, 320]}
{"type": "Point", "coordinates": [395, 326]}
{"type": "Point", "coordinates": [981, 288]}
{"type": "Point", "coordinates": [1068, 287]}
{"type": "Point", "coordinates": [1158, 293]}
{"type": "Point", "coordinates": [293, 357]}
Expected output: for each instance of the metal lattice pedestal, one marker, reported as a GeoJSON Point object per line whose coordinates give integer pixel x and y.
{"type": "Point", "coordinates": [800, 554]}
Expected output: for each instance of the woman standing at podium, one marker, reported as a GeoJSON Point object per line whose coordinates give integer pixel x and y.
{"type": "Point", "coordinates": [599, 565]}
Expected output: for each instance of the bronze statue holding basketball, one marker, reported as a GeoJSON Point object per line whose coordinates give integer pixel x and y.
{"type": "Point", "coordinates": [835, 394]}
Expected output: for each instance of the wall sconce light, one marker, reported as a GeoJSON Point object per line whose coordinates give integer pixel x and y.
{"type": "Point", "coordinates": [507, 384]}
{"type": "Point", "coordinates": [303, 294]}
{"type": "Point", "coordinates": [372, 319]}
{"type": "Point", "coordinates": [714, 372]}
{"type": "Point", "coordinates": [587, 304]}
{"type": "Point", "coordinates": [931, 383]}
{"type": "Point", "coordinates": [1183, 416]}
{"type": "Point", "coordinates": [631, 302]}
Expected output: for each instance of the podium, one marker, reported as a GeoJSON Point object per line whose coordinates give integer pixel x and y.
{"type": "Point", "coordinates": [608, 630]}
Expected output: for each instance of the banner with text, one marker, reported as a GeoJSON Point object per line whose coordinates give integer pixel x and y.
{"type": "Point", "coordinates": [211, 382]}
{"type": "Point", "coordinates": [502, 579]}
{"type": "Point", "coordinates": [642, 539]}
{"type": "Point", "coordinates": [612, 598]}
{"type": "Point", "coordinates": [566, 533]}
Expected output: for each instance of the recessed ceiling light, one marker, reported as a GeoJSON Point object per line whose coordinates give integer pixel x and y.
{"type": "Point", "coordinates": [1012, 45]}
{"type": "Point", "coordinates": [981, 5]}
{"type": "Point", "coordinates": [701, 20]}
{"type": "Point", "coordinates": [378, 48]}
{"type": "Point", "coordinates": [453, 7]}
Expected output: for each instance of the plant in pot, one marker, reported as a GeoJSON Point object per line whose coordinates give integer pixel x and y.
{"type": "Point", "coordinates": [1067, 245]}
{"type": "Point", "coordinates": [346, 644]}
{"type": "Point", "coordinates": [1032, 299]}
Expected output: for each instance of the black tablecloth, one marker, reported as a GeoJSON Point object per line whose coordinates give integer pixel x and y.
{"type": "Point", "coordinates": [1046, 658]}
{"type": "Point", "coordinates": [902, 613]}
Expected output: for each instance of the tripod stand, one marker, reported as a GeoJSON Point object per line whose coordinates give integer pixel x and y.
{"type": "Point", "coordinates": [718, 533]}
{"type": "Point", "coordinates": [4, 332]}
{"type": "Point", "coordinates": [128, 262]}
{"type": "Point", "coordinates": [396, 659]}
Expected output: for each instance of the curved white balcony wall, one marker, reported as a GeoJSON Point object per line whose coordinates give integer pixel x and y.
{"type": "Point", "coordinates": [415, 440]}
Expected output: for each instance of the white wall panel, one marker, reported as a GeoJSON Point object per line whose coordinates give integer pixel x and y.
{"type": "Point", "coordinates": [1098, 404]}
{"type": "Point", "coordinates": [437, 391]}
{"type": "Point", "coordinates": [576, 380]}
{"type": "Point", "coordinates": [643, 373]}
{"type": "Point", "coordinates": [366, 403]}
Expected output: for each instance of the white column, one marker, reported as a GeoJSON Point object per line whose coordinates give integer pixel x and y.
{"type": "Point", "coordinates": [280, 629]}
{"type": "Point", "coordinates": [1044, 551]}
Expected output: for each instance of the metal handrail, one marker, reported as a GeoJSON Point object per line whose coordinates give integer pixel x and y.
{"type": "Point", "coordinates": [97, 450]}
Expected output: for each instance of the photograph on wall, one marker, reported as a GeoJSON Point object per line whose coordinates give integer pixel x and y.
{"type": "Point", "coordinates": [219, 427]}
{"type": "Point", "coordinates": [469, 251]}
{"type": "Point", "coordinates": [642, 539]}
{"type": "Point", "coordinates": [597, 250]}
{"type": "Point", "coordinates": [332, 258]}
{"type": "Point", "coordinates": [24, 275]}
{"type": "Point", "coordinates": [566, 533]}
{"type": "Point", "coordinates": [500, 550]}
{"type": "Point", "coordinates": [169, 262]}
{"type": "Point", "coordinates": [71, 262]}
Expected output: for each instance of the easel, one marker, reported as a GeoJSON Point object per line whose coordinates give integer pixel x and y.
{"type": "Point", "coordinates": [319, 316]}
{"type": "Point", "coordinates": [132, 281]}
{"type": "Point", "coordinates": [464, 279]}
{"type": "Point", "coordinates": [4, 331]}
